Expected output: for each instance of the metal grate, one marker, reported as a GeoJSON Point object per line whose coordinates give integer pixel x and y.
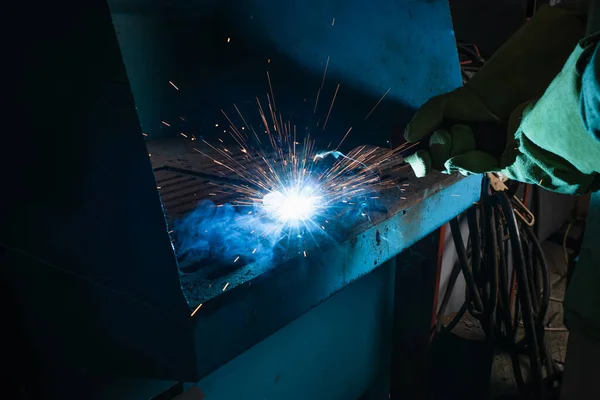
{"type": "Point", "coordinates": [184, 177]}
{"type": "Point", "coordinates": [181, 193]}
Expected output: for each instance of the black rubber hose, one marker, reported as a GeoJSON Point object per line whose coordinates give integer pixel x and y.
{"type": "Point", "coordinates": [464, 264]}
{"type": "Point", "coordinates": [544, 299]}
{"type": "Point", "coordinates": [504, 291]}
{"type": "Point", "coordinates": [530, 276]}
{"type": "Point", "coordinates": [475, 239]}
{"type": "Point", "coordinates": [524, 294]}
{"type": "Point", "coordinates": [505, 312]}
{"type": "Point", "coordinates": [492, 270]}
{"type": "Point", "coordinates": [451, 282]}
{"type": "Point", "coordinates": [545, 274]}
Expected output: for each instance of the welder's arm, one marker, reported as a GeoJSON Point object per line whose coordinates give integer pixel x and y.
{"type": "Point", "coordinates": [546, 141]}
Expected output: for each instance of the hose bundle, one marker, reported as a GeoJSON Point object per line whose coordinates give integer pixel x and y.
{"type": "Point", "coordinates": [508, 283]}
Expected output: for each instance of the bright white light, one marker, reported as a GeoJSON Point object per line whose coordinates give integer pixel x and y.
{"type": "Point", "coordinates": [291, 205]}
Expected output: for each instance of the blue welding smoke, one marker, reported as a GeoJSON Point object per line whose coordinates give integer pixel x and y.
{"type": "Point", "coordinates": [227, 234]}
{"type": "Point", "coordinates": [222, 233]}
{"type": "Point", "coordinates": [288, 221]}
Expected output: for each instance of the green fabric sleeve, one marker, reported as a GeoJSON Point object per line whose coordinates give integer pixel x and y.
{"type": "Point", "coordinates": [590, 95]}
{"type": "Point", "coordinates": [552, 147]}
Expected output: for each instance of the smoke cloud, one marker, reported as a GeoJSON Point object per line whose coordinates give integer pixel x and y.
{"type": "Point", "coordinates": [223, 233]}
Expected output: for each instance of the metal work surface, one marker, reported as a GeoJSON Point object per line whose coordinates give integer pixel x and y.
{"type": "Point", "coordinates": [121, 308]}
{"type": "Point", "coordinates": [185, 178]}
{"type": "Point", "coordinates": [274, 297]}
{"type": "Point", "coordinates": [309, 49]}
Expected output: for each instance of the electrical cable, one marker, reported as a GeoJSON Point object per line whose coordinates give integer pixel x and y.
{"type": "Point", "coordinates": [464, 264]}
{"type": "Point", "coordinates": [503, 248]}
{"type": "Point", "coordinates": [447, 295]}
{"type": "Point", "coordinates": [524, 295]}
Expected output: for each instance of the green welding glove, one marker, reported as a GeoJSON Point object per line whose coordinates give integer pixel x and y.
{"type": "Point", "coordinates": [532, 150]}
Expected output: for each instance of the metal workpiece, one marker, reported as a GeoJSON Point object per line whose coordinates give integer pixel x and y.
{"type": "Point", "coordinates": [88, 247]}
{"type": "Point", "coordinates": [183, 187]}
{"type": "Point", "coordinates": [276, 296]}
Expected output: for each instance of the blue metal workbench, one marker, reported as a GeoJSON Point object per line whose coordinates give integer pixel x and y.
{"type": "Point", "coordinates": [92, 264]}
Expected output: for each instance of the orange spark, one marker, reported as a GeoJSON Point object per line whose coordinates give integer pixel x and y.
{"type": "Point", "coordinates": [196, 310]}
{"type": "Point", "coordinates": [376, 104]}
{"type": "Point", "coordinates": [331, 106]}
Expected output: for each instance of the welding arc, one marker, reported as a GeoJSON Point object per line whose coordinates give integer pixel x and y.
{"type": "Point", "coordinates": [495, 233]}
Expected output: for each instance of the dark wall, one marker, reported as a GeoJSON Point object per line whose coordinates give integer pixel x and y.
{"type": "Point", "coordinates": [488, 24]}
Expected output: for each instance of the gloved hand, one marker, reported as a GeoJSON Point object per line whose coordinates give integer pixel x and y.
{"type": "Point", "coordinates": [501, 94]}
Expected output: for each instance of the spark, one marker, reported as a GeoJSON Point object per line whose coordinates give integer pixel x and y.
{"type": "Point", "coordinates": [331, 106]}
{"type": "Point", "coordinates": [325, 72]}
{"type": "Point", "coordinates": [304, 253]}
{"type": "Point", "coordinates": [278, 174]}
{"type": "Point", "coordinates": [344, 138]}
{"type": "Point", "coordinates": [317, 100]}
{"type": "Point", "coordinates": [271, 89]}
{"type": "Point", "coordinates": [172, 84]}
{"type": "Point", "coordinates": [333, 22]}
{"type": "Point", "coordinates": [196, 310]}
{"type": "Point", "coordinates": [321, 87]}
{"type": "Point", "coordinates": [225, 287]}
{"type": "Point", "coordinates": [228, 40]}
{"type": "Point", "coordinates": [183, 134]}
{"type": "Point", "coordinates": [376, 104]}
{"type": "Point", "coordinates": [145, 134]}
{"type": "Point", "coordinates": [164, 123]}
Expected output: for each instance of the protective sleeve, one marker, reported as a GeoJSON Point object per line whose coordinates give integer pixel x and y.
{"type": "Point", "coordinates": [590, 95]}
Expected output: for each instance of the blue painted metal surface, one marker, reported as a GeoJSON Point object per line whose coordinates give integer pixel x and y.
{"type": "Point", "coordinates": [276, 298]}
{"type": "Point", "coordinates": [338, 350]}
{"type": "Point", "coordinates": [402, 45]}
{"type": "Point", "coordinates": [90, 253]}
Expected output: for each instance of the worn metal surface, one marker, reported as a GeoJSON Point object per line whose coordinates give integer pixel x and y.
{"type": "Point", "coordinates": [181, 192]}
{"type": "Point", "coordinates": [88, 246]}
{"type": "Point", "coordinates": [260, 297]}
